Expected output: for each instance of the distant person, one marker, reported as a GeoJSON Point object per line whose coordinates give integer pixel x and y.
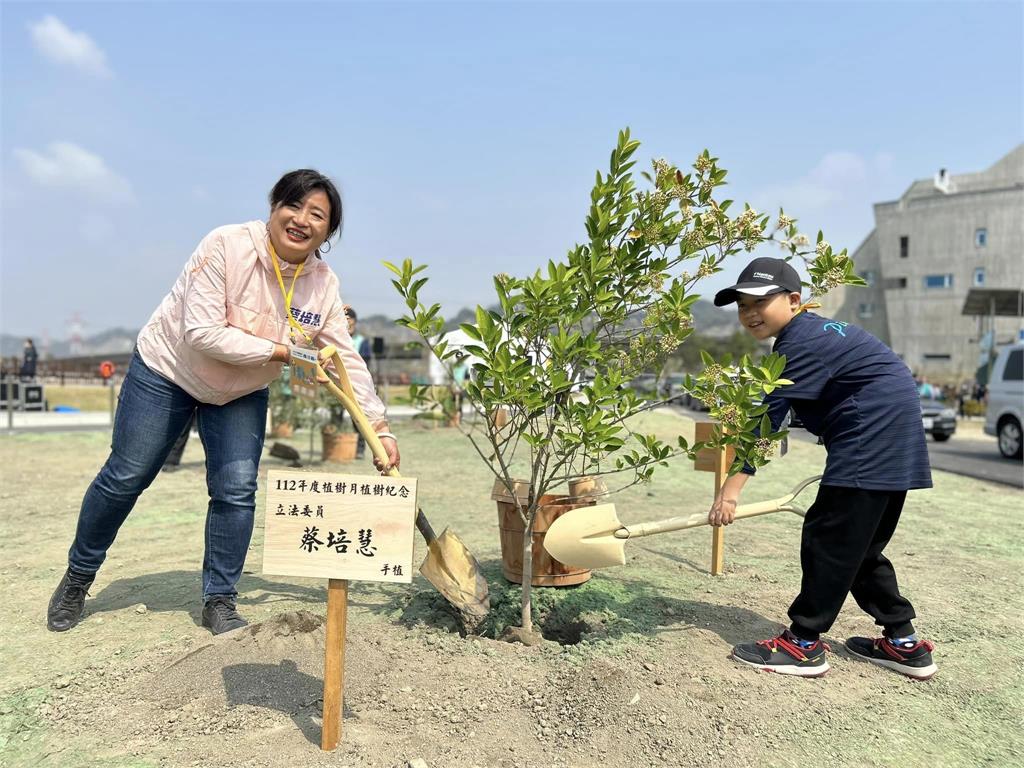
{"type": "Point", "coordinates": [362, 345]}
{"type": "Point", "coordinates": [854, 392]}
{"type": "Point", "coordinates": [460, 372]}
{"type": "Point", "coordinates": [217, 339]}
{"type": "Point", "coordinates": [360, 342]}
{"type": "Point", "coordinates": [925, 390]}
{"type": "Point", "coordinates": [29, 358]}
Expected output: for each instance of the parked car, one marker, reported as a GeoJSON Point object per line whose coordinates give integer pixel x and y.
{"type": "Point", "coordinates": [938, 419]}
{"type": "Point", "coordinates": [672, 388]}
{"type": "Point", "coordinates": [645, 384]}
{"type": "Point", "coordinates": [1003, 415]}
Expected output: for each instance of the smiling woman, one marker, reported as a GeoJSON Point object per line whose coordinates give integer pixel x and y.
{"type": "Point", "coordinates": [303, 212]}
{"type": "Point", "coordinates": [210, 350]}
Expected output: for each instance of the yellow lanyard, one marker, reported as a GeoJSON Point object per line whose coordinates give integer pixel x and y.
{"type": "Point", "coordinates": [803, 307]}
{"type": "Point", "coordinates": [288, 294]}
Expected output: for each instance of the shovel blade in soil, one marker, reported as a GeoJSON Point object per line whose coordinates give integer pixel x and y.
{"type": "Point", "coordinates": [585, 538]}
{"type": "Point", "coordinates": [455, 573]}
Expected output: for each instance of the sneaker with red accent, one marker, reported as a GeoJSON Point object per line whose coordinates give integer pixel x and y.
{"type": "Point", "coordinates": [785, 655]}
{"type": "Point", "coordinates": [913, 659]}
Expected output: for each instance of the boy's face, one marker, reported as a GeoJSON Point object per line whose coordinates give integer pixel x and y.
{"type": "Point", "coordinates": [766, 316]}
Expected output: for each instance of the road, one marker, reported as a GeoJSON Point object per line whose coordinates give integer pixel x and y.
{"type": "Point", "coordinates": [969, 452]}
{"type": "Point", "coordinates": [971, 455]}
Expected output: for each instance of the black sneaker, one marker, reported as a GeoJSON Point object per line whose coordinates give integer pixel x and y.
{"type": "Point", "coordinates": [913, 659]}
{"type": "Point", "coordinates": [220, 616]}
{"type": "Point", "coordinates": [68, 602]}
{"type": "Point", "coordinates": [784, 655]}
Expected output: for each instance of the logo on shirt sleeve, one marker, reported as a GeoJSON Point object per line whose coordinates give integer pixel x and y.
{"type": "Point", "coordinates": [837, 326]}
{"type": "Point", "coordinates": [305, 317]}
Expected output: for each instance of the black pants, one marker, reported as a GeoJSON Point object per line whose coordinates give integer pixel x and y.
{"type": "Point", "coordinates": [844, 534]}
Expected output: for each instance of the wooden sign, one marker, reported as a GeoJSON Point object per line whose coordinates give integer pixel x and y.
{"type": "Point", "coordinates": [339, 526]}
{"type": "Point", "coordinates": [708, 458]}
{"type": "Point", "coordinates": [718, 461]}
{"type": "Point", "coordinates": [302, 376]}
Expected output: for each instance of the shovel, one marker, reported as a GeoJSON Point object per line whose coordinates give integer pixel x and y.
{"type": "Point", "coordinates": [593, 537]}
{"type": "Point", "coordinates": [449, 565]}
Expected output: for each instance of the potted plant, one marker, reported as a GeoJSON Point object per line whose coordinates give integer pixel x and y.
{"type": "Point", "coordinates": [338, 439]}
{"type": "Point", "coordinates": [285, 408]}
{"type": "Point", "coordinates": [552, 361]}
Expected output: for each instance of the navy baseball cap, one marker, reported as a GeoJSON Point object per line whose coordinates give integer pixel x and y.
{"type": "Point", "coordinates": [762, 277]}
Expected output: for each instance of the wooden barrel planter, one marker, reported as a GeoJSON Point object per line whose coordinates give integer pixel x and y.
{"type": "Point", "coordinates": [339, 446]}
{"type": "Point", "coordinates": [282, 429]}
{"type": "Point", "coordinates": [547, 572]}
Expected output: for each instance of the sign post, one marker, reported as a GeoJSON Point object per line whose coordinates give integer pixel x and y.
{"type": "Point", "coordinates": [107, 369]}
{"type": "Point", "coordinates": [717, 461]}
{"type": "Point", "coordinates": [339, 527]}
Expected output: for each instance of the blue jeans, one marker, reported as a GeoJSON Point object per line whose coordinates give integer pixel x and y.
{"type": "Point", "coordinates": [151, 413]}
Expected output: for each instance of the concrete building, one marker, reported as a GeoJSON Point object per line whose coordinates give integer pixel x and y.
{"type": "Point", "coordinates": [944, 236]}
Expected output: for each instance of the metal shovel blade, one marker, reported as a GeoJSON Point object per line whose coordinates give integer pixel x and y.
{"type": "Point", "coordinates": [585, 538]}
{"type": "Point", "coordinates": [593, 537]}
{"type": "Point", "coordinates": [449, 565]}
{"type": "Point", "coordinates": [454, 572]}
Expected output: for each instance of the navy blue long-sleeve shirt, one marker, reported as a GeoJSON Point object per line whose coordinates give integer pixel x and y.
{"type": "Point", "coordinates": [853, 392]}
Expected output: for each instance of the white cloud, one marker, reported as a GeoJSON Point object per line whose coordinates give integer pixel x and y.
{"type": "Point", "coordinates": [838, 176]}
{"type": "Point", "coordinates": [836, 195]}
{"type": "Point", "coordinates": [67, 166]}
{"type": "Point", "coordinates": [62, 45]}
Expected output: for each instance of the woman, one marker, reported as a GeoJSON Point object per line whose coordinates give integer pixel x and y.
{"type": "Point", "coordinates": [211, 347]}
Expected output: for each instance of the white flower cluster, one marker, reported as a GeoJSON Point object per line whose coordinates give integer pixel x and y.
{"type": "Point", "coordinates": [764, 448]}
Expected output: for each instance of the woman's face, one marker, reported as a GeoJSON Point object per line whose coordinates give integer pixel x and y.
{"type": "Point", "coordinates": [297, 229]}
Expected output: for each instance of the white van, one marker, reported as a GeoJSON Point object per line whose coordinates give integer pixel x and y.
{"type": "Point", "coordinates": [1003, 416]}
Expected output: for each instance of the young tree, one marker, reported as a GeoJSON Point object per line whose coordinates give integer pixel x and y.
{"type": "Point", "coordinates": [561, 345]}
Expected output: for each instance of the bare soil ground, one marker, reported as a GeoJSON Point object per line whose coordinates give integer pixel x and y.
{"type": "Point", "coordinates": [636, 672]}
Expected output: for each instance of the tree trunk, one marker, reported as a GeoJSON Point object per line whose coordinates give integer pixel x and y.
{"type": "Point", "coordinates": [527, 617]}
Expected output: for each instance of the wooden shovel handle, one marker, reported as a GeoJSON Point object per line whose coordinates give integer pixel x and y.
{"type": "Point", "coordinates": [347, 396]}
{"type": "Point", "coordinates": [781, 504]}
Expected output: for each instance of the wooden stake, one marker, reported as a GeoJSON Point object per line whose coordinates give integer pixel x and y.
{"type": "Point", "coordinates": [334, 663]}
{"type": "Point", "coordinates": [718, 534]}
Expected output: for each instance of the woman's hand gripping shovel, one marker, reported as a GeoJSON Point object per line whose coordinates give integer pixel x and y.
{"type": "Point", "coordinates": [449, 565]}
{"type": "Point", "coordinates": [593, 537]}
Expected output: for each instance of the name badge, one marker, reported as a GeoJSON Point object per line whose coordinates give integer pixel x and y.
{"type": "Point", "coordinates": [302, 365]}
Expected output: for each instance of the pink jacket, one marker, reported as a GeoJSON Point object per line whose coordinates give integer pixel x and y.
{"type": "Point", "coordinates": [213, 334]}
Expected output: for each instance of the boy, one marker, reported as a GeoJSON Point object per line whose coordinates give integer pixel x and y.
{"type": "Point", "coordinates": [860, 398]}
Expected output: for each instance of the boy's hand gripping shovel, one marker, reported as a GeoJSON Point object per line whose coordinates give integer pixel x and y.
{"type": "Point", "coordinates": [593, 537]}
{"type": "Point", "coordinates": [449, 565]}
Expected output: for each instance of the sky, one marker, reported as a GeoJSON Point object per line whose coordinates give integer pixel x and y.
{"type": "Point", "coordinates": [462, 135]}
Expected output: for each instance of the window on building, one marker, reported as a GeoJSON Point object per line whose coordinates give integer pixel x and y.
{"type": "Point", "coordinates": [894, 283]}
{"type": "Point", "coordinates": [979, 277]}
{"type": "Point", "coordinates": [937, 357]}
{"type": "Point", "coordinates": [980, 237]}
{"type": "Point", "coordinates": [869, 277]}
{"type": "Point", "coordinates": [865, 310]}
{"type": "Point", "coordinates": [904, 246]}
{"type": "Point", "coordinates": [938, 281]}
{"type": "Point", "coordinates": [1014, 370]}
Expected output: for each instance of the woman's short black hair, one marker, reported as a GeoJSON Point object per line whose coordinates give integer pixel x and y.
{"type": "Point", "coordinates": [295, 185]}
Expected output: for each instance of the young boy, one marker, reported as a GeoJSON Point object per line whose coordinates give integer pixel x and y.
{"type": "Point", "coordinates": [860, 398]}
